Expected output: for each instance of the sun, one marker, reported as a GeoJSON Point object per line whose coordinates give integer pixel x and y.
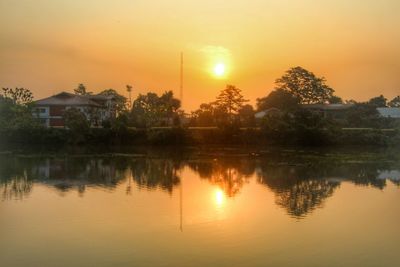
{"type": "Point", "coordinates": [219, 69]}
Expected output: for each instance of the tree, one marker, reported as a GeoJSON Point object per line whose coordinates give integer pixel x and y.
{"type": "Point", "coordinates": [304, 85]}
{"type": "Point", "coordinates": [379, 101]}
{"type": "Point", "coordinates": [119, 100]}
{"type": "Point", "coordinates": [16, 109]}
{"type": "Point", "coordinates": [81, 90]}
{"type": "Point", "coordinates": [19, 96]}
{"type": "Point", "coordinates": [77, 123]}
{"type": "Point", "coordinates": [246, 116]}
{"type": "Point", "coordinates": [204, 116]}
{"type": "Point", "coordinates": [230, 100]}
{"type": "Point", "coordinates": [279, 99]}
{"type": "Point", "coordinates": [153, 110]}
{"type": "Point", "coordinates": [335, 100]}
{"type": "Point", "coordinates": [395, 102]}
{"type": "Point", "coordinates": [363, 115]}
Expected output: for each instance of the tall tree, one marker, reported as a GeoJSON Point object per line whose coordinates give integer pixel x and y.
{"type": "Point", "coordinates": [81, 90]}
{"type": "Point", "coordinates": [304, 85]}
{"type": "Point", "coordinates": [230, 100]}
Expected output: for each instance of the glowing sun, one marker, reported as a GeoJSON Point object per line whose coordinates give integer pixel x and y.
{"type": "Point", "coordinates": [219, 69]}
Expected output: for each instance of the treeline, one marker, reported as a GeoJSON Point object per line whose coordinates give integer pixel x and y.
{"type": "Point", "coordinates": [159, 119]}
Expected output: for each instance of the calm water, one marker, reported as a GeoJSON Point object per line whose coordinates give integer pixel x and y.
{"type": "Point", "coordinates": [281, 209]}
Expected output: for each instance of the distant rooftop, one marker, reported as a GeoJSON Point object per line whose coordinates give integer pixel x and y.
{"type": "Point", "coordinates": [327, 106]}
{"type": "Point", "coordinates": [389, 112]}
{"type": "Point", "coordinates": [68, 99]}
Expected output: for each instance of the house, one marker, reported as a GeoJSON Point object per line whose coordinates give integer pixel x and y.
{"type": "Point", "coordinates": [393, 113]}
{"type": "Point", "coordinates": [335, 111]}
{"type": "Point", "coordinates": [96, 108]}
{"type": "Point", "coordinates": [271, 112]}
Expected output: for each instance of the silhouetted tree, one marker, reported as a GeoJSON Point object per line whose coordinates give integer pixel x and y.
{"type": "Point", "coordinates": [395, 102]}
{"type": "Point", "coordinates": [246, 116]}
{"type": "Point", "coordinates": [335, 100]}
{"type": "Point", "coordinates": [280, 99]}
{"type": "Point", "coordinates": [119, 100]}
{"type": "Point", "coordinates": [379, 101]}
{"type": "Point", "coordinates": [81, 90]}
{"type": "Point", "coordinates": [304, 85]}
{"type": "Point", "coordinates": [153, 110]}
{"type": "Point", "coordinates": [230, 100]}
{"type": "Point", "coordinates": [77, 123]}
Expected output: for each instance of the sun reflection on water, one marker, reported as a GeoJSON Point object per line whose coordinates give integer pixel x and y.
{"type": "Point", "coordinates": [219, 197]}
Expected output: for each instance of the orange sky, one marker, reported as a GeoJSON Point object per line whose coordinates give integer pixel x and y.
{"type": "Point", "coordinates": [52, 45]}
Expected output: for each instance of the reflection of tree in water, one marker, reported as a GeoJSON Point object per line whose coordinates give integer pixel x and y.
{"type": "Point", "coordinates": [229, 174]}
{"type": "Point", "coordinates": [14, 182]}
{"type": "Point", "coordinates": [17, 188]}
{"type": "Point", "coordinates": [296, 189]}
{"type": "Point", "coordinates": [302, 187]}
{"type": "Point", "coordinates": [156, 173]}
{"type": "Point", "coordinates": [305, 196]}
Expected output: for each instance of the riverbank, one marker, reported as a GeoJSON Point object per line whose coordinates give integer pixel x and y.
{"type": "Point", "coordinates": [110, 139]}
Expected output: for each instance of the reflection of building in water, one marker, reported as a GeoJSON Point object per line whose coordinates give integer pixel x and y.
{"type": "Point", "coordinates": [393, 175]}
{"type": "Point", "coordinates": [69, 173]}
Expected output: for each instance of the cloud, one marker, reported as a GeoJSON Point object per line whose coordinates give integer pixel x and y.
{"type": "Point", "coordinates": [216, 52]}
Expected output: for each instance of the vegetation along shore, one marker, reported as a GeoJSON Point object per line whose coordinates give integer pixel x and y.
{"type": "Point", "coordinates": [301, 110]}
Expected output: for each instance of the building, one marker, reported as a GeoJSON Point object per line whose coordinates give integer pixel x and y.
{"type": "Point", "coordinates": [271, 112]}
{"type": "Point", "coordinates": [96, 108]}
{"type": "Point", "coordinates": [334, 111]}
{"type": "Point", "coordinates": [393, 113]}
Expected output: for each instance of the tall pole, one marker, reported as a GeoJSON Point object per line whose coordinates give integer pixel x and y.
{"type": "Point", "coordinates": [181, 81]}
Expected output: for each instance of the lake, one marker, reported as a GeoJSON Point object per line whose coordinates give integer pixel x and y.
{"type": "Point", "coordinates": [271, 208]}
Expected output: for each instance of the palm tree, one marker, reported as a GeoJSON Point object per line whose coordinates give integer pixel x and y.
{"type": "Point", "coordinates": [129, 89]}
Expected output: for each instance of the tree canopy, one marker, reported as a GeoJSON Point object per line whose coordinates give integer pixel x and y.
{"type": "Point", "coordinates": [395, 102]}
{"type": "Point", "coordinates": [379, 101]}
{"type": "Point", "coordinates": [305, 86]}
{"type": "Point", "coordinates": [280, 99]}
{"type": "Point", "coordinates": [153, 110]}
{"type": "Point", "coordinates": [19, 96]}
{"type": "Point", "coordinates": [120, 100]}
{"type": "Point", "coordinates": [81, 90]}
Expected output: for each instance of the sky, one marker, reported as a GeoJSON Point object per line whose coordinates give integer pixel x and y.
{"type": "Point", "coordinates": [49, 46]}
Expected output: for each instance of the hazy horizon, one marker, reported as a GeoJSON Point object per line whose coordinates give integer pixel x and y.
{"type": "Point", "coordinates": [50, 46]}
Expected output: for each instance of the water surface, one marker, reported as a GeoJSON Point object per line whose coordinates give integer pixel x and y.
{"type": "Point", "coordinates": [286, 209]}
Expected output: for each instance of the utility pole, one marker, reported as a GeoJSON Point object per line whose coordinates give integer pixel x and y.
{"type": "Point", "coordinates": [181, 81]}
